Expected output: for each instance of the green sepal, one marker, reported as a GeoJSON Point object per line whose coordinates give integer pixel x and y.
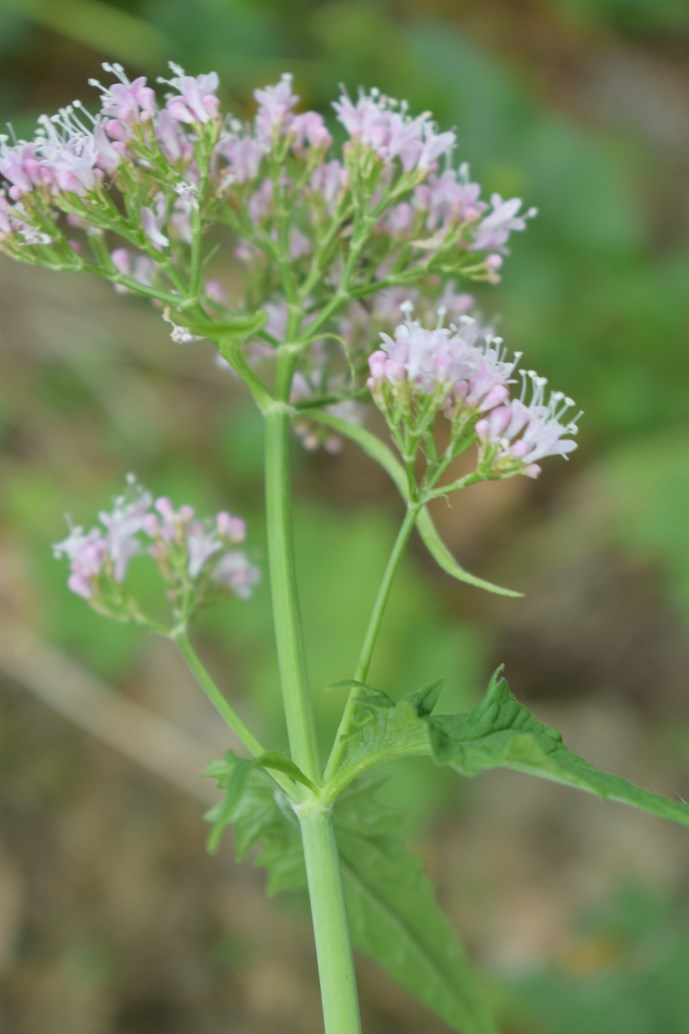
{"type": "Point", "coordinates": [501, 733]}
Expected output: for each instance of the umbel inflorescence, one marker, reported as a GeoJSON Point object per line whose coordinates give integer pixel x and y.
{"type": "Point", "coordinates": [197, 559]}
{"type": "Point", "coordinates": [353, 241]}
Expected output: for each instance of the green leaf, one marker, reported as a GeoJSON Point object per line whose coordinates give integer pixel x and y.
{"type": "Point", "coordinates": [424, 700]}
{"type": "Point", "coordinates": [233, 781]}
{"type": "Point", "coordinates": [279, 762]}
{"type": "Point", "coordinates": [385, 458]}
{"type": "Point", "coordinates": [394, 916]}
{"type": "Point", "coordinates": [237, 327]}
{"type": "Point", "coordinates": [442, 555]}
{"type": "Point", "coordinates": [344, 684]}
{"type": "Point", "coordinates": [371, 445]}
{"type": "Point", "coordinates": [501, 733]}
{"type": "Point", "coordinates": [233, 775]}
{"type": "Point", "coordinates": [392, 910]}
{"type": "Point", "coordinates": [265, 819]}
{"type": "Point", "coordinates": [382, 730]}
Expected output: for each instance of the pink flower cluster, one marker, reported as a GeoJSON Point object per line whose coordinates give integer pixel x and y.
{"type": "Point", "coordinates": [75, 159]}
{"type": "Point", "coordinates": [522, 432]}
{"type": "Point", "coordinates": [190, 553]}
{"type": "Point", "coordinates": [450, 202]}
{"type": "Point", "coordinates": [385, 126]}
{"type": "Point", "coordinates": [465, 369]}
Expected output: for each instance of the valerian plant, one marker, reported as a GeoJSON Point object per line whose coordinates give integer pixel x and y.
{"type": "Point", "coordinates": [353, 256]}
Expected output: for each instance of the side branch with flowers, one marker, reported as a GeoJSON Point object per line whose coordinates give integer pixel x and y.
{"type": "Point", "coordinates": [353, 258]}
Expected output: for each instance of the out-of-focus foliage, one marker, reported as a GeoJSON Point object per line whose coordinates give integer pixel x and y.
{"type": "Point", "coordinates": [622, 974]}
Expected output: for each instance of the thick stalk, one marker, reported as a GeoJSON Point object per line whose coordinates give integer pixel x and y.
{"type": "Point", "coordinates": [371, 636]}
{"type": "Point", "coordinates": [301, 728]}
{"type": "Point", "coordinates": [331, 930]}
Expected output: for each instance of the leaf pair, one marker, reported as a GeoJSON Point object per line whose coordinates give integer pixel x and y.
{"type": "Point", "coordinates": [393, 913]}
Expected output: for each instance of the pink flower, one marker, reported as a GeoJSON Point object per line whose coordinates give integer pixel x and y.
{"type": "Point", "coordinates": [385, 126]}
{"type": "Point", "coordinates": [450, 198]}
{"type": "Point", "coordinates": [152, 223]}
{"type": "Point", "coordinates": [201, 546]}
{"type": "Point", "coordinates": [86, 553]}
{"type": "Point", "coordinates": [275, 107]}
{"type": "Point", "coordinates": [329, 180]}
{"type": "Point", "coordinates": [464, 365]}
{"type": "Point", "coordinates": [494, 229]}
{"type": "Point", "coordinates": [123, 525]}
{"type": "Point", "coordinates": [170, 136]}
{"type": "Point", "coordinates": [518, 434]}
{"type": "Point", "coordinates": [127, 101]}
{"type": "Point", "coordinates": [197, 102]}
{"type": "Point", "coordinates": [261, 203]}
{"type": "Point", "coordinates": [231, 528]}
{"type": "Point", "coordinates": [21, 166]}
{"type": "Point", "coordinates": [243, 155]}
{"type": "Point", "coordinates": [309, 128]}
{"type": "Point", "coordinates": [236, 571]}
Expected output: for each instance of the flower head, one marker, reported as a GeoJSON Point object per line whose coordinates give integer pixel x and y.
{"type": "Point", "coordinates": [126, 101]}
{"type": "Point", "coordinates": [519, 433]}
{"type": "Point", "coordinates": [464, 372]}
{"type": "Point", "coordinates": [275, 110]}
{"type": "Point", "coordinates": [385, 126]}
{"type": "Point", "coordinates": [198, 559]}
{"type": "Point", "coordinates": [195, 101]}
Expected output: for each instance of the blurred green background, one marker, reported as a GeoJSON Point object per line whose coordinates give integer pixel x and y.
{"type": "Point", "coordinates": [112, 919]}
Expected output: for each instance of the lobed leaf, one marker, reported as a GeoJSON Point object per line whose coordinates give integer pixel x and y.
{"type": "Point", "coordinates": [393, 914]}
{"type": "Point", "coordinates": [395, 918]}
{"type": "Point", "coordinates": [501, 733]}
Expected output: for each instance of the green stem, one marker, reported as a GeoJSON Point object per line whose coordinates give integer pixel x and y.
{"type": "Point", "coordinates": [232, 350]}
{"type": "Point", "coordinates": [301, 727]}
{"type": "Point", "coordinates": [329, 916]}
{"type": "Point", "coordinates": [371, 637]}
{"type": "Point", "coordinates": [216, 697]}
{"type": "Point", "coordinates": [328, 912]}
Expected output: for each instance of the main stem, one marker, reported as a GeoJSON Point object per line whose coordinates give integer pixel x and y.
{"type": "Point", "coordinates": [301, 728]}
{"type": "Point", "coordinates": [328, 910]}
